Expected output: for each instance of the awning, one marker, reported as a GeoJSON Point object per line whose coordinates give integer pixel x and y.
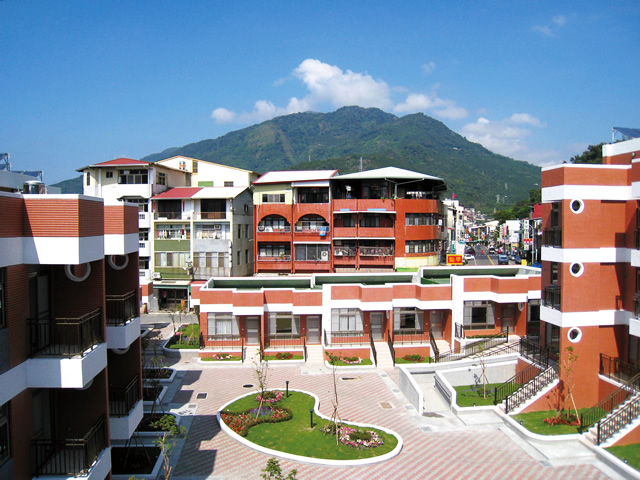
{"type": "Point", "coordinates": [179, 284]}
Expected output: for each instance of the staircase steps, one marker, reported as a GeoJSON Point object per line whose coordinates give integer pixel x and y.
{"type": "Point", "coordinates": [384, 355]}
{"type": "Point", "coordinates": [315, 355]}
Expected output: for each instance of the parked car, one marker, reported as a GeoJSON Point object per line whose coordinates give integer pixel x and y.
{"type": "Point", "coordinates": [503, 260]}
{"type": "Point", "coordinates": [492, 250]}
{"type": "Point", "coordinates": [468, 257]}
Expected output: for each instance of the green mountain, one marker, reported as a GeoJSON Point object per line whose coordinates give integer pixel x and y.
{"type": "Point", "coordinates": [73, 185]}
{"type": "Point", "coordinates": [338, 140]}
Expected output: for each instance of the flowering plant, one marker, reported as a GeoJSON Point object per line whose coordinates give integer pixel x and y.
{"type": "Point", "coordinates": [242, 421]}
{"type": "Point", "coordinates": [284, 355]}
{"type": "Point", "coordinates": [270, 396]}
{"type": "Point", "coordinates": [358, 438]}
{"type": "Point", "coordinates": [413, 358]}
{"type": "Point", "coordinates": [222, 356]}
{"type": "Point", "coordinates": [563, 419]}
{"type": "Point", "coordinates": [352, 360]}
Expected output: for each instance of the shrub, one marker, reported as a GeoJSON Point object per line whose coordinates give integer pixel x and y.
{"type": "Point", "coordinates": [243, 421]}
{"type": "Point", "coordinates": [284, 355]}
{"type": "Point", "coordinates": [413, 358]}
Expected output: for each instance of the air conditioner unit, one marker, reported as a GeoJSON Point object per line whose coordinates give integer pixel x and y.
{"type": "Point", "coordinates": [217, 226]}
{"type": "Point", "coordinates": [261, 228]}
{"type": "Point", "coordinates": [324, 255]}
{"type": "Point", "coordinates": [156, 276]}
{"type": "Point", "coordinates": [338, 253]}
{"type": "Point", "coordinates": [268, 229]}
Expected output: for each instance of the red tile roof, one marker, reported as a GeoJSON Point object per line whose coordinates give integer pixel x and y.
{"type": "Point", "coordinates": [122, 161]}
{"type": "Point", "coordinates": [178, 192]}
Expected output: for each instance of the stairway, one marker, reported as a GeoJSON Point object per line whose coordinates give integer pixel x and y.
{"type": "Point", "coordinates": [624, 418]}
{"type": "Point", "coordinates": [315, 355]}
{"type": "Point", "coordinates": [251, 352]}
{"type": "Point", "coordinates": [384, 355]}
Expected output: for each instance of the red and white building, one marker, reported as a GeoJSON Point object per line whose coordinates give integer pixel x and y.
{"type": "Point", "coordinates": [372, 221]}
{"type": "Point", "coordinates": [70, 359]}
{"type": "Point", "coordinates": [591, 273]}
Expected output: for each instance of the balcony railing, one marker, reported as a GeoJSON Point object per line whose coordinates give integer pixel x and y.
{"type": "Point", "coordinates": [617, 369]}
{"type": "Point", "coordinates": [274, 229]}
{"type": "Point", "coordinates": [614, 423]}
{"type": "Point", "coordinates": [213, 215]}
{"type": "Point", "coordinates": [551, 297]}
{"type": "Point", "coordinates": [224, 340]}
{"type": "Point", "coordinates": [610, 403]}
{"type": "Point", "coordinates": [122, 400]}
{"type": "Point", "coordinates": [410, 335]}
{"type": "Point", "coordinates": [529, 389]}
{"type": "Point", "coordinates": [285, 339]}
{"type": "Point", "coordinates": [66, 336]}
{"type": "Point", "coordinates": [344, 252]}
{"type": "Point", "coordinates": [121, 308]}
{"type": "Point", "coordinates": [69, 456]}
{"type": "Point", "coordinates": [376, 251]}
{"type": "Point", "coordinates": [349, 336]}
{"type": "Point", "coordinates": [552, 237]}
{"type": "Point", "coordinates": [168, 215]}
{"type": "Point", "coordinates": [280, 258]}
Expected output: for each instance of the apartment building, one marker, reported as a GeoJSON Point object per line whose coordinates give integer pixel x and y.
{"type": "Point", "coordinates": [591, 272]}
{"type": "Point", "coordinates": [373, 221]}
{"type": "Point", "coordinates": [175, 197]}
{"type": "Point", "coordinates": [70, 359]}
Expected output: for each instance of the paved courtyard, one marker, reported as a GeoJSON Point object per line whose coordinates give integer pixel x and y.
{"type": "Point", "coordinates": [473, 447]}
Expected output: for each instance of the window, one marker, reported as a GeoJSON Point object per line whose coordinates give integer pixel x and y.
{"type": "Point", "coordinates": [172, 232]}
{"type": "Point", "coordinates": [246, 231]}
{"type": "Point", "coordinates": [228, 184]}
{"type": "Point", "coordinates": [239, 231]}
{"type": "Point", "coordinates": [143, 234]}
{"type": "Point", "coordinates": [313, 223]}
{"type": "Point", "coordinates": [5, 434]}
{"type": "Point", "coordinates": [285, 324]}
{"type": "Point", "coordinates": [161, 179]}
{"type": "Point", "coordinates": [370, 221]}
{"type": "Point", "coordinates": [346, 221]}
{"type": "Point", "coordinates": [246, 256]}
{"type": "Point", "coordinates": [555, 273]}
{"type": "Point", "coordinates": [3, 321]}
{"type": "Point", "coordinates": [313, 253]}
{"type": "Point", "coordinates": [533, 318]}
{"type": "Point", "coordinates": [194, 166]}
{"type": "Point", "coordinates": [143, 263]}
{"type": "Point", "coordinates": [421, 219]}
{"type": "Point", "coordinates": [246, 208]}
{"type": "Point", "coordinates": [273, 198]}
{"type": "Point", "coordinates": [216, 231]}
{"type": "Point", "coordinates": [139, 177]}
{"type": "Point", "coordinates": [313, 195]}
{"type": "Point", "coordinates": [109, 174]}
{"type": "Point", "coordinates": [171, 259]}
{"type": "Point", "coordinates": [408, 319]}
{"type": "Point", "coordinates": [222, 324]}
{"type": "Point", "coordinates": [479, 315]}
{"type": "Point", "coordinates": [420, 246]}
{"type": "Point", "coordinates": [274, 250]}
{"type": "Point", "coordinates": [555, 214]}
{"type": "Point", "coordinates": [273, 222]}
{"type": "Point", "coordinates": [88, 179]}
{"type": "Point", "coordinates": [346, 320]}
{"type": "Point", "coordinates": [238, 256]}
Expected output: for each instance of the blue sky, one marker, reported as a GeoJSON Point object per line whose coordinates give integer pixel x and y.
{"type": "Point", "coordinates": [87, 81]}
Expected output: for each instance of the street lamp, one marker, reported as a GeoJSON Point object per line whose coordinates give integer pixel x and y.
{"type": "Point", "coordinates": [287, 383]}
{"type": "Point", "coordinates": [311, 417]}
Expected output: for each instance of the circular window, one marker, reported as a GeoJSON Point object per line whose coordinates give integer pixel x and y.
{"type": "Point", "coordinates": [577, 206]}
{"type": "Point", "coordinates": [576, 269]}
{"type": "Point", "coordinates": [574, 335]}
{"type": "Point", "coordinates": [78, 273]}
{"type": "Point", "coordinates": [118, 262]}
{"type": "Point", "coordinates": [520, 306]}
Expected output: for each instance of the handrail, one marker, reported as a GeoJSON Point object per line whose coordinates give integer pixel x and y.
{"type": "Point", "coordinates": [434, 345]}
{"type": "Point", "coordinates": [324, 334]}
{"type": "Point", "coordinates": [304, 346]}
{"type": "Point", "coordinates": [476, 347]}
{"type": "Point", "coordinates": [551, 296]}
{"type": "Point", "coordinates": [617, 369]}
{"type": "Point", "coordinates": [534, 352]}
{"type": "Point", "coordinates": [514, 383]}
{"type": "Point", "coordinates": [459, 330]}
{"type": "Point", "coordinates": [610, 402]}
{"type": "Point", "coordinates": [242, 349]}
{"type": "Point", "coordinates": [66, 336]}
{"type": "Point", "coordinates": [614, 423]}
{"type": "Point", "coordinates": [373, 347]}
{"type": "Point", "coordinates": [410, 335]}
{"type": "Point", "coordinates": [121, 308]}
{"type": "Point", "coordinates": [391, 349]}
{"type": "Point", "coordinates": [528, 390]}
{"type": "Point", "coordinates": [122, 400]}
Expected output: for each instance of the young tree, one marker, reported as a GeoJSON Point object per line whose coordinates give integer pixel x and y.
{"type": "Point", "coordinates": [168, 440]}
{"type": "Point", "coordinates": [566, 370]}
{"type": "Point", "coordinates": [261, 372]}
{"type": "Point", "coordinates": [273, 471]}
{"type": "Point", "coordinates": [335, 416]}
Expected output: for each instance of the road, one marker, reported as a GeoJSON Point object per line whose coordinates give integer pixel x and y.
{"type": "Point", "coordinates": [484, 258]}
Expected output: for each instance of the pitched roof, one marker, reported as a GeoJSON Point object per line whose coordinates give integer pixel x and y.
{"type": "Point", "coordinates": [392, 173]}
{"type": "Point", "coordinates": [117, 162]}
{"type": "Point", "coordinates": [178, 192]}
{"type": "Point", "coordinates": [295, 176]}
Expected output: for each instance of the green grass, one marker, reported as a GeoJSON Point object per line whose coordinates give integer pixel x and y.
{"type": "Point", "coordinates": [273, 357]}
{"type": "Point", "coordinates": [211, 359]}
{"type": "Point", "coordinates": [403, 361]}
{"type": "Point", "coordinates": [340, 363]}
{"type": "Point", "coordinates": [534, 423]}
{"type": "Point", "coordinates": [472, 395]}
{"type": "Point", "coordinates": [629, 452]}
{"type": "Point", "coordinates": [295, 436]}
{"type": "Point", "coordinates": [190, 338]}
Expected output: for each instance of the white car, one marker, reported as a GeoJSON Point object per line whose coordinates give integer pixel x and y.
{"type": "Point", "coordinates": [468, 257]}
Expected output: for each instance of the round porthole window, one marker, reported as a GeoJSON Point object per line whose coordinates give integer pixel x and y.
{"type": "Point", "coordinates": [520, 306]}
{"type": "Point", "coordinates": [576, 269]}
{"type": "Point", "coordinates": [577, 206]}
{"type": "Point", "coordinates": [78, 273]}
{"type": "Point", "coordinates": [574, 335]}
{"type": "Point", "coordinates": [118, 262]}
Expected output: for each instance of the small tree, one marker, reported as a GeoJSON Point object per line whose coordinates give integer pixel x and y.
{"type": "Point", "coordinates": [261, 372]}
{"type": "Point", "coordinates": [566, 369]}
{"type": "Point", "coordinates": [273, 471]}
{"type": "Point", "coordinates": [335, 416]}
{"type": "Point", "coordinates": [168, 440]}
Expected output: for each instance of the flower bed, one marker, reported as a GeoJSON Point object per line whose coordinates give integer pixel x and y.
{"type": "Point", "coordinates": [359, 438]}
{"type": "Point", "coordinates": [270, 396]}
{"type": "Point", "coordinates": [243, 421]}
{"type": "Point", "coordinates": [283, 356]}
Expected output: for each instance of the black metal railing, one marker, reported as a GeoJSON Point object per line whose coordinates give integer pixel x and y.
{"type": "Point", "coordinates": [476, 347]}
{"type": "Point", "coordinates": [610, 403]}
{"type": "Point", "coordinates": [122, 400]}
{"type": "Point", "coordinates": [69, 456]}
{"type": "Point", "coordinates": [617, 369]}
{"type": "Point", "coordinates": [291, 339]}
{"type": "Point", "coordinates": [121, 308]}
{"type": "Point", "coordinates": [459, 330]}
{"type": "Point", "coordinates": [636, 306]}
{"type": "Point", "coordinates": [304, 347]}
{"type": "Point", "coordinates": [242, 349]}
{"type": "Point", "coordinates": [530, 389]}
{"type": "Point", "coordinates": [514, 383]}
{"type": "Point", "coordinates": [349, 336]}
{"type": "Point", "coordinates": [551, 297]}
{"type": "Point", "coordinates": [410, 335]}
{"type": "Point", "coordinates": [225, 340]}
{"type": "Point", "coordinates": [552, 237]}
{"type": "Point", "coordinates": [373, 348]}
{"type": "Point", "coordinates": [434, 345]}
{"type": "Point", "coordinates": [65, 336]}
{"type": "Point", "coordinates": [614, 423]}
{"type": "Point", "coordinates": [391, 349]}
{"type": "Point", "coordinates": [534, 351]}
{"type": "Point", "coordinates": [637, 239]}
{"type": "Point", "coordinates": [324, 334]}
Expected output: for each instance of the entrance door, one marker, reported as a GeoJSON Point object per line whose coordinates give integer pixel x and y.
{"type": "Point", "coordinates": [377, 325]}
{"type": "Point", "coordinates": [253, 330]}
{"type": "Point", "coordinates": [313, 329]}
{"type": "Point", "coordinates": [436, 321]}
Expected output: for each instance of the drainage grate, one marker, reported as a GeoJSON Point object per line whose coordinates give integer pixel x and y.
{"type": "Point", "coordinates": [192, 405]}
{"type": "Point", "coordinates": [349, 378]}
{"type": "Point", "coordinates": [201, 396]}
{"type": "Point", "coordinates": [247, 385]}
{"type": "Point", "coordinates": [386, 405]}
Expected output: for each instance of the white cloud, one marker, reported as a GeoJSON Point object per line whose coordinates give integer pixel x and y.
{"type": "Point", "coordinates": [427, 68]}
{"type": "Point", "coordinates": [551, 30]}
{"type": "Point", "coordinates": [330, 85]}
{"type": "Point", "coordinates": [508, 137]}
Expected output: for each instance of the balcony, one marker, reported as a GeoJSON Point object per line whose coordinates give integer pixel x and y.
{"type": "Point", "coordinates": [144, 220]}
{"type": "Point", "coordinates": [552, 237]}
{"type": "Point", "coordinates": [410, 336]}
{"type": "Point", "coordinates": [212, 216]}
{"type": "Point", "coordinates": [225, 341]}
{"type": "Point", "coordinates": [285, 340]}
{"type": "Point", "coordinates": [169, 216]}
{"type": "Point", "coordinates": [123, 322]}
{"type": "Point", "coordinates": [87, 456]}
{"type": "Point", "coordinates": [376, 232]}
{"type": "Point", "coordinates": [349, 337]}
{"type": "Point", "coordinates": [551, 297]}
{"type": "Point", "coordinates": [125, 410]}
{"type": "Point", "coordinates": [66, 337]}
{"type": "Point", "coordinates": [376, 251]}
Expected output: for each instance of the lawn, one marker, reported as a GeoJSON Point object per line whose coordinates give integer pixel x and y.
{"type": "Point", "coordinates": [232, 358]}
{"type": "Point", "coordinates": [342, 363]}
{"type": "Point", "coordinates": [402, 360]}
{"type": "Point", "coordinates": [473, 396]}
{"type": "Point", "coordinates": [296, 436]}
{"type": "Point", "coordinates": [630, 453]}
{"type": "Point", "coordinates": [274, 357]}
{"type": "Point", "coordinates": [187, 337]}
{"type": "Point", "coordinates": [534, 422]}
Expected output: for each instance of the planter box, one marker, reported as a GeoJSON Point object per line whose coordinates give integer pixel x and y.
{"type": "Point", "coordinates": [158, 401]}
{"type": "Point", "coordinates": [162, 380]}
{"type": "Point", "coordinates": [147, 434]}
{"type": "Point", "coordinates": [155, 472]}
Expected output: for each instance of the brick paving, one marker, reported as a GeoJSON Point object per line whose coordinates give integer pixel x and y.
{"type": "Point", "coordinates": [479, 452]}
